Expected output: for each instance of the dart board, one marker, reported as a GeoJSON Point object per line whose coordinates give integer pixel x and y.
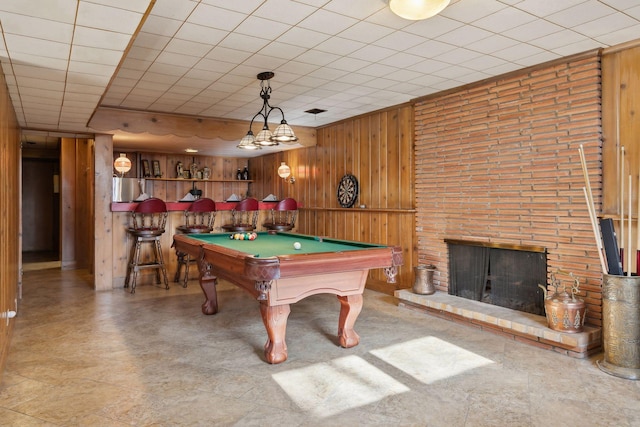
{"type": "Point", "coordinates": [347, 191]}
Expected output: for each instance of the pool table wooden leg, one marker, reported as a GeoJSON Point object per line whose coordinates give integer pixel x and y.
{"type": "Point", "coordinates": [208, 284]}
{"type": "Point", "coordinates": [275, 321]}
{"type": "Point", "coordinates": [350, 307]}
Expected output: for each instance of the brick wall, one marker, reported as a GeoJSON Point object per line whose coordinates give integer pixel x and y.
{"type": "Point", "coordinates": [498, 161]}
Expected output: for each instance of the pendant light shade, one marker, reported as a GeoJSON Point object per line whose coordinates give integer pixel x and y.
{"type": "Point", "coordinates": [122, 164]}
{"type": "Point", "coordinates": [283, 133]}
{"type": "Point", "coordinates": [417, 9]}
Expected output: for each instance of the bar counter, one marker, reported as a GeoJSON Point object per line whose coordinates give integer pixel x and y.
{"type": "Point", "coordinates": [183, 206]}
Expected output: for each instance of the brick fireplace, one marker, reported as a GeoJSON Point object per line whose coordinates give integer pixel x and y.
{"type": "Point", "coordinates": [498, 161]}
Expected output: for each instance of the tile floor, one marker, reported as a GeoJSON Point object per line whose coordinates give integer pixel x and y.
{"type": "Point", "coordinates": [80, 358]}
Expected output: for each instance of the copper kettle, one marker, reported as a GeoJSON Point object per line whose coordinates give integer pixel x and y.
{"type": "Point", "coordinates": [565, 312]}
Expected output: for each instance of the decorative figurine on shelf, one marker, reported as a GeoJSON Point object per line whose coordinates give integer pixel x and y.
{"type": "Point", "coordinates": [193, 169]}
{"type": "Point", "coordinates": [179, 170]}
{"type": "Point", "coordinates": [239, 175]}
{"type": "Point", "coordinates": [206, 173]}
{"type": "Point", "coordinates": [245, 173]}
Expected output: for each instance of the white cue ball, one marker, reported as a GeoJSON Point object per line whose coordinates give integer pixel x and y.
{"type": "Point", "coordinates": [297, 245]}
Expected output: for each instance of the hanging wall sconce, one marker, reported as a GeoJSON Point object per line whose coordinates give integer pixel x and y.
{"type": "Point", "coordinates": [284, 172]}
{"type": "Point", "coordinates": [122, 164]}
{"type": "Point", "coordinates": [265, 138]}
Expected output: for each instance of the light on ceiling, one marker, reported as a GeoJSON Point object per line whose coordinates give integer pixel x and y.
{"type": "Point", "coordinates": [265, 138]}
{"type": "Point", "coordinates": [284, 172]}
{"type": "Point", "coordinates": [417, 9]}
{"type": "Point", "coordinates": [122, 164]}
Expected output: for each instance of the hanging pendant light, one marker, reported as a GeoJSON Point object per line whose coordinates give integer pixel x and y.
{"type": "Point", "coordinates": [417, 9]}
{"type": "Point", "coordinates": [265, 138]}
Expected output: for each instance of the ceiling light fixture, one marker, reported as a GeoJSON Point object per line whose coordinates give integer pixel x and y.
{"type": "Point", "coordinates": [417, 9]}
{"type": "Point", "coordinates": [265, 138]}
{"type": "Point", "coordinates": [122, 164]}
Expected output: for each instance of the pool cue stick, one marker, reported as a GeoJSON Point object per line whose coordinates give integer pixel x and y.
{"type": "Point", "coordinates": [596, 233]}
{"type": "Point", "coordinates": [622, 208]}
{"type": "Point", "coordinates": [629, 233]}
{"type": "Point", "coordinates": [638, 232]}
{"type": "Point", "coordinates": [592, 210]}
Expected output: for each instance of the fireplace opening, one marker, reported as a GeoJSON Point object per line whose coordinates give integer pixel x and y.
{"type": "Point", "coordinates": [503, 275]}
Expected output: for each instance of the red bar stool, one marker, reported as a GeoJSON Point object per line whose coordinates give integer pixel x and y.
{"type": "Point", "coordinates": [283, 216]}
{"type": "Point", "coordinates": [244, 216]}
{"type": "Point", "coordinates": [199, 218]}
{"type": "Point", "coordinates": [147, 226]}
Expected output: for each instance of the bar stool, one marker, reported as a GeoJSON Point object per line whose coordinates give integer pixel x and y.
{"type": "Point", "coordinates": [198, 219]}
{"type": "Point", "coordinates": [244, 216]}
{"type": "Point", "coordinates": [283, 216]}
{"type": "Point", "coordinates": [147, 226]}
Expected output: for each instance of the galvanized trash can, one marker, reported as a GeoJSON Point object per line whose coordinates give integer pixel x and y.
{"type": "Point", "coordinates": [621, 326]}
{"type": "Point", "coordinates": [423, 284]}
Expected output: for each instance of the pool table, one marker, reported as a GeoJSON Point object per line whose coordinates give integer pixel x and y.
{"type": "Point", "coordinates": [277, 274]}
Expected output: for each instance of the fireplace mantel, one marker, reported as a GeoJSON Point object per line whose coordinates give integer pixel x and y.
{"type": "Point", "coordinates": [513, 247]}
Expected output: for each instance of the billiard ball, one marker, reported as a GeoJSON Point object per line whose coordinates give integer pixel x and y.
{"type": "Point", "coordinates": [297, 245]}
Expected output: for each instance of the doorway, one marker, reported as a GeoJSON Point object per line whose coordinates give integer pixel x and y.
{"type": "Point", "coordinates": [41, 212]}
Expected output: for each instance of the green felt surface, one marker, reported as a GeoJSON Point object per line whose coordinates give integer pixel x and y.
{"type": "Point", "coordinates": [268, 245]}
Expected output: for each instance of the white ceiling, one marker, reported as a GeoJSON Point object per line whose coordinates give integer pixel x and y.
{"type": "Point", "coordinates": [63, 59]}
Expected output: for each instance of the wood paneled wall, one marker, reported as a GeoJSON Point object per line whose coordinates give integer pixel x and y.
{"type": "Point", "coordinates": [621, 128]}
{"type": "Point", "coordinates": [377, 149]}
{"type": "Point", "coordinates": [9, 217]}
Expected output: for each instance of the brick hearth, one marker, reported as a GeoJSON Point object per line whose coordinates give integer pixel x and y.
{"type": "Point", "coordinates": [517, 325]}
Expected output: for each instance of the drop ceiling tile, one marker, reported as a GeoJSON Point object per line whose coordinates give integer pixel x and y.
{"type": "Point", "coordinates": [401, 59]}
{"type": "Point", "coordinates": [210, 66]}
{"type": "Point", "coordinates": [151, 41]}
{"type": "Point", "coordinates": [273, 10]}
{"type": "Point", "coordinates": [581, 13]}
{"type": "Point", "coordinates": [532, 30]}
{"type": "Point", "coordinates": [39, 61]}
{"type": "Point", "coordinates": [372, 53]}
{"type": "Point", "coordinates": [453, 71]}
{"type": "Point", "coordinates": [430, 48]}
{"type": "Point", "coordinates": [429, 66]}
{"type": "Point", "coordinates": [89, 68]}
{"type": "Point", "coordinates": [366, 32]}
{"type": "Point", "coordinates": [200, 34]}
{"type": "Point", "coordinates": [44, 9]}
{"type": "Point", "coordinates": [84, 89]}
{"type": "Point", "coordinates": [95, 55]}
{"type": "Point", "coordinates": [358, 9]}
{"type": "Point", "coordinates": [282, 50]}
{"type": "Point", "coordinates": [159, 26]}
{"type": "Point", "coordinates": [327, 22]}
{"type": "Point", "coordinates": [244, 6]}
{"type": "Point", "coordinates": [260, 27]}
{"type": "Point", "coordinates": [36, 27]}
{"type": "Point", "coordinates": [403, 75]}
{"type": "Point", "coordinates": [92, 37]}
{"type": "Point", "coordinates": [36, 72]}
{"type": "Point", "coordinates": [482, 63]}
{"type": "Point", "coordinates": [634, 12]}
{"type": "Point", "coordinates": [543, 8]}
{"type": "Point", "coordinates": [471, 10]}
{"type": "Point", "coordinates": [492, 44]}
{"type": "Point", "coordinates": [315, 57]}
{"type": "Point", "coordinates": [186, 47]}
{"type": "Point", "coordinates": [620, 36]}
{"type": "Point", "coordinates": [399, 40]}
{"type": "Point", "coordinates": [174, 9]}
{"type": "Point", "coordinates": [581, 46]}
{"type": "Point", "coordinates": [457, 55]}
{"type": "Point", "coordinates": [538, 58]}
{"type": "Point", "coordinates": [512, 54]}
{"type": "Point", "coordinates": [95, 80]}
{"type": "Point", "coordinates": [601, 26]}
{"type": "Point", "coordinates": [433, 27]}
{"type": "Point", "coordinates": [36, 47]}
{"type": "Point", "coordinates": [161, 79]}
{"type": "Point", "coordinates": [174, 70]}
{"type": "Point", "coordinates": [244, 42]}
{"type": "Point", "coordinates": [621, 4]}
{"type": "Point", "coordinates": [135, 64]}
{"type": "Point", "coordinates": [39, 83]}
{"type": "Point", "coordinates": [263, 62]}
{"type": "Point", "coordinates": [302, 37]}
{"type": "Point", "coordinates": [171, 58]}
{"type": "Point", "coordinates": [349, 64]}
{"type": "Point", "coordinates": [377, 70]}
{"type": "Point", "coordinates": [504, 19]}
{"type": "Point", "coordinates": [464, 35]}
{"type": "Point", "coordinates": [215, 17]}
{"type": "Point", "coordinates": [557, 40]}
{"type": "Point", "coordinates": [130, 75]}
{"type": "Point", "coordinates": [107, 18]}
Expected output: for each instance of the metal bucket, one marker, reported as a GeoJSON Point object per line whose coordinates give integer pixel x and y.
{"type": "Point", "coordinates": [621, 326]}
{"type": "Point", "coordinates": [424, 280]}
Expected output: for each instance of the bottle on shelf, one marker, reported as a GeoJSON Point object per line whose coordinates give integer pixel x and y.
{"type": "Point", "coordinates": [245, 173]}
{"type": "Point", "coordinates": [239, 175]}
